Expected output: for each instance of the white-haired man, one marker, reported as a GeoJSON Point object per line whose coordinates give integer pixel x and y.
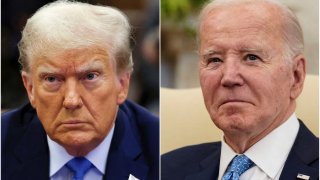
{"type": "Point", "coordinates": [76, 67]}
{"type": "Point", "coordinates": [252, 69]}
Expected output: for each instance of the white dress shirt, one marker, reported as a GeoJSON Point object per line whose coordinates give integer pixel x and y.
{"type": "Point", "coordinates": [98, 157]}
{"type": "Point", "coordinates": [269, 154]}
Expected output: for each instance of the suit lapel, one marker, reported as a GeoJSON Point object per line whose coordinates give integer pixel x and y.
{"type": "Point", "coordinates": [125, 155]}
{"type": "Point", "coordinates": [208, 168]}
{"type": "Point", "coordinates": [32, 153]}
{"type": "Point", "coordinates": [303, 156]}
{"type": "Point", "coordinates": [302, 159]}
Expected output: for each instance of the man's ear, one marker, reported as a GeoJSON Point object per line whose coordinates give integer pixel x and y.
{"type": "Point", "coordinates": [299, 74]}
{"type": "Point", "coordinates": [27, 82]}
{"type": "Point", "coordinates": [124, 81]}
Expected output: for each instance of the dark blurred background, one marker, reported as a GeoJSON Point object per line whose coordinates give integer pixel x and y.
{"type": "Point", "coordinates": [144, 18]}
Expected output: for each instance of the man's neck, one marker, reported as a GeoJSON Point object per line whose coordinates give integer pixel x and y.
{"type": "Point", "coordinates": [242, 141]}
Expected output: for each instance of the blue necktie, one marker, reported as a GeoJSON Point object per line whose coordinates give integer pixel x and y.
{"type": "Point", "coordinates": [79, 166]}
{"type": "Point", "coordinates": [238, 166]}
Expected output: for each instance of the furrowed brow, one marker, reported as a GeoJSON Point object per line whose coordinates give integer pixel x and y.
{"type": "Point", "coordinates": [92, 66]}
{"type": "Point", "coordinates": [251, 51]}
{"type": "Point", "coordinates": [210, 52]}
{"type": "Point", "coordinates": [47, 70]}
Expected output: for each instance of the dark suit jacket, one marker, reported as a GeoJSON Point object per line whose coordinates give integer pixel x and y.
{"type": "Point", "coordinates": [201, 162]}
{"type": "Point", "coordinates": [134, 147]}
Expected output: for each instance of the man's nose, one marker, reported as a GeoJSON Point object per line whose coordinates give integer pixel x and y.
{"type": "Point", "coordinates": [72, 97]}
{"type": "Point", "coordinates": [231, 74]}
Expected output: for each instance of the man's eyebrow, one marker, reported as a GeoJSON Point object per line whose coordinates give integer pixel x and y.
{"type": "Point", "coordinates": [259, 51]}
{"type": "Point", "coordinates": [244, 50]}
{"type": "Point", "coordinates": [210, 52]}
{"type": "Point", "coordinates": [47, 70]}
{"type": "Point", "coordinates": [97, 64]}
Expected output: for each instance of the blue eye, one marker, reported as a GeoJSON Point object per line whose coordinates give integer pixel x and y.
{"type": "Point", "coordinates": [51, 79]}
{"type": "Point", "coordinates": [52, 82]}
{"type": "Point", "coordinates": [252, 57]}
{"type": "Point", "coordinates": [214, 60]}
{"type": "Point", "coordinates": [90, 76]}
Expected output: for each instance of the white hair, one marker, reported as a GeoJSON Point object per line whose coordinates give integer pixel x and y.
{"type": "Point", "coordinates": [291, 30]}
{"type": "Point", "coordinates": [64, 24]}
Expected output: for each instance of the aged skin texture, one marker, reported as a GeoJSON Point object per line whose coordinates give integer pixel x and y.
{"type": "Point", "coordinates": [76, 94]}
{"type": "Point", "coordinates": [249, 84]}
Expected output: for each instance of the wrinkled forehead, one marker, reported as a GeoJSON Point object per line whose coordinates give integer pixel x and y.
{"type": "Point", "coordinates": [230, 18]}
{"type": "Point", "coordinates": [83, 57]}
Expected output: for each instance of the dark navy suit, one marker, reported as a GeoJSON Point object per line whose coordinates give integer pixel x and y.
{"type": "Point", "coordinates": [201, 162]}
{"type": "Point", "coordinates": [134, 147]}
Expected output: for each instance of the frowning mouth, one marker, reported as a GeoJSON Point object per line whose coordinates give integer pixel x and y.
{"type": "Point", "coordinates": [73, 123]}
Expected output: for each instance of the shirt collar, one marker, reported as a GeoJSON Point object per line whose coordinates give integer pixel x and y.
{"type": "Point", "coordinates": [227, 154]}
{"type": "Point", "coordinates": [98, 156]}
{"type": "Point", "coordinates": [276, 146]}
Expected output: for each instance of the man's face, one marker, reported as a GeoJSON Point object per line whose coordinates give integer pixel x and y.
{"type": "Point", "coordinates": [248, 85]}
{"type": "Point", "coordinates": [76, 95]}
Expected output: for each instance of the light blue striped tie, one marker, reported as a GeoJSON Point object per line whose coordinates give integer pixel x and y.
{"type": "Point", "coordinates": [238, 166]}
{"type": "Point", "coordinates": [79, 166]}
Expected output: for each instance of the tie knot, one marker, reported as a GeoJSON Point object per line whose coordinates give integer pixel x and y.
{"type": "Point", "coordinates": [238, 166]}
{"type": "Point", "coordinates": [79, 166]}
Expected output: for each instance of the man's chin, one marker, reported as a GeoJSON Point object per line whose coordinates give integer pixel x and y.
{"type": "Point", "coordinates": [232, 123]}
{"type": "Point", "coordinates": [78, 143]}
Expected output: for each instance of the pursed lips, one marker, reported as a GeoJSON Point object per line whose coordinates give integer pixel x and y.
{"type": "Point", "coordinates": [234, 101]}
